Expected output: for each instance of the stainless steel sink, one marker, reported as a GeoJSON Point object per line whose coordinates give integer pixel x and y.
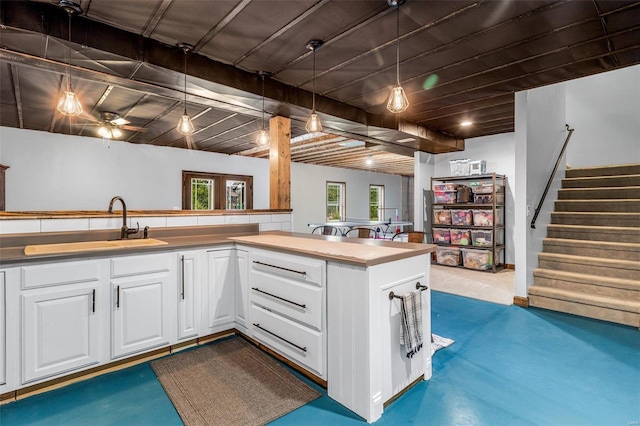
{"type": "Point", "coordinates": [41, 249]}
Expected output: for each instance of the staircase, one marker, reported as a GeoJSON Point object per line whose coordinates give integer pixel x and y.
{"type": "Point", "coordinates": [590, 263]}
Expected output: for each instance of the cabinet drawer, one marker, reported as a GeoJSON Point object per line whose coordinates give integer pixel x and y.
{"type": "Point", "coordinates": [290, 339]}
{"type": "Point", "coordinates": [145, 264]}
{"type": "Point", "coordinates": [59, 274]}
{"type": "Point", "coordinates": [299, 301]}
{"type": "Point", "coordinates": [303, 269]}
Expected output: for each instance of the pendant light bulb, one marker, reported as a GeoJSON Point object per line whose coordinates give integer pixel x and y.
{"type": "Point", "coordinates": [105, 132]}
{"type": "Point", "coordinates": [185, 126]}
{"type": "Point", "coordinates": [313, 123]}
{"type": "Point", "coordinates": [263, 136]}
{"type": "Point", "coordinates": [398, 101]}
{"type": "Point", "coordinates": [69, 104]}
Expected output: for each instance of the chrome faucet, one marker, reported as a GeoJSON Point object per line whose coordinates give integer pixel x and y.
{"type": "Point", "coordinates": [124, 231]}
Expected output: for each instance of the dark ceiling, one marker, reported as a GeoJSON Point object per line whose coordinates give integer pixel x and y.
{"type": "Point", "coordinates": [459, 60]}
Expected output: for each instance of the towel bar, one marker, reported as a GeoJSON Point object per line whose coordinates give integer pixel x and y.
{"type": "Point", "coordinates": [418, 287]}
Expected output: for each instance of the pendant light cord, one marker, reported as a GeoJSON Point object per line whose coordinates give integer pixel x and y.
{"type": "Point", "coordinates": [313, 94]}
{"type": "Point", "coordinates": [398, 44]}
{"type": "Point", "coordinates": [185, 81]}
{"type": "Point", "coordinates": [69, 59]}
{"type": "Point", "coordinates": [262, 101]}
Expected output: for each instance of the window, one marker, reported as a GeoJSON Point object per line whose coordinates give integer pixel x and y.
{"type": "Point", "coordinates": [211, 191]}
{"type": "Point", "coordinates": [335, 201]}
{"type": "Point", "coordinates": [376, 202]}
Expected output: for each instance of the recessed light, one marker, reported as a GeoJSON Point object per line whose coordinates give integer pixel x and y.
{"type": "Point", "coordinates": [369, 160]}
{"type": "Point", "coordinates": [466, 123]}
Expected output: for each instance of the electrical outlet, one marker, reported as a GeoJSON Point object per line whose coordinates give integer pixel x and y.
{"type": "Point", "coordinates": [528, 210]}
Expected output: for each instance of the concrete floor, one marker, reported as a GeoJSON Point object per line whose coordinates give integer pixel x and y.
{"type": "Point", "coordinates": [487, 286]}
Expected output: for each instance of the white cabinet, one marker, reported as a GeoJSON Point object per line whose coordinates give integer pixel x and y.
{"type": "Point", "coordinates": [189, 278]}
{"type": "Point", "coordinates": [141, 303]}
{"type": "Point", "coordinates": [241, 290]}
{"type": "Point", "coordinates": [287, 313]}
{"type": "Point", "coordinates": [3, 333]}
{"type": "Point", "coordinates": [60, 317]}
{"type": "Point", "coordinates": [220, 290]}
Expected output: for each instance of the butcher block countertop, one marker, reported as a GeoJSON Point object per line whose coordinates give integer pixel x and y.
{"type": "Point", "coordinates": [348, 250]}
{"type": "Point", "coordinates": [63, 246]}
{"type": "Point", "coordinates": [81, 214]}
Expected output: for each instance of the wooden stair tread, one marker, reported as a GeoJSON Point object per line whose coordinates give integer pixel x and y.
{"type": "Point", "coordinates": [572, 258]}
{"type": "Point", "coordinates": [584, 298]}
{"type": "Point", "coordinates": [623, 283]}
{"type": "Point", "coordinates": [612, 245]}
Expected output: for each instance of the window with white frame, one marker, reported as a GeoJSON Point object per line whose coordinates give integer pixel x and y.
{"type": "Point", "coordinates": [376, 202]}
{"type": "Point", "coordinates": [335, 201]}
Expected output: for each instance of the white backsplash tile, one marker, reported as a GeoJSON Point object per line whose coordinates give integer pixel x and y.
{"type": "Point", "coordinates": [281, 217]}
{"type": "Point", "coordinates": [57, 225]}
{"type": "Point", "coordinates": [236, 219]}
{"type": "Point", "coordinates": [182, 221]}
{"type": "Point", "coordinates": [19, 226]}
{"type": "Point", "coordinates": [150, 221]}
{"type": "Point", "coordinates": [96, 223]}
{"type": "Point", "coordinates": [271, 226]}
{"type": "Point", "coordinates": [210, 220]}
{"type": "Point", "coordinates": [260, 218]}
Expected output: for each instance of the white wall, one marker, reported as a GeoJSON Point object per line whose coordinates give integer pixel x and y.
{"type": "Point", "coordinates": [309, 193]}
{"type": "Point", "coordinates": [423, 171]}
{"type": "Point", "coordinates": [540, 134]}
{"type": "Point", "coordinates": [604, 110]}
{"type": "Point", "coordinates": [499, 153]}
{"type": "Point", "coordinates": [50, 171]}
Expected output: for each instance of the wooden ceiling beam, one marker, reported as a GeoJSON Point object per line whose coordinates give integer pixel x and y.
{"type": "Point", "coordinates": [16, 93]}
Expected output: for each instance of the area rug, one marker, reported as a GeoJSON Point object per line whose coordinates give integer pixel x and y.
{"type": "Point", "coordinates": [439, 342]}
{"type": "Point", "coordinates": [230, 383]}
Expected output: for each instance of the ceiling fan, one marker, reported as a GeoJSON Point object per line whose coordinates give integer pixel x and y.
{"type": "Point", "coordinates": [111, 125]}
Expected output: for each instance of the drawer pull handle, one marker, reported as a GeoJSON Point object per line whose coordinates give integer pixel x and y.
{"type": "Point", "coordinates": [93, 301]}
{"type": "Point", "coordinates": [118, 297]}
{"type": "Point", "coordinates": [279, 298]}
{"type": "Point", "coordinates": [281, 268]}
{"type": "Point", "coordinates": [281, 338]}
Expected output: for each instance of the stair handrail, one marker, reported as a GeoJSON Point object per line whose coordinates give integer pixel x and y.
{"type": "Point", "coordinates": [553, 174]}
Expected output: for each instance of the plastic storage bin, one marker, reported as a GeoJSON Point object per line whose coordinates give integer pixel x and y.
{"type": "Point", "coordinates": [441, 217]}
{"type": "Point", "coordinates": [459, 167]}
{"type": "Point", "coordinates": [461, 217]}
{"type": "Point", "coordinates": [482, 188]}
{"type": "Point", "coordinates": [445, 197]}
{"type": "Point", "coordinates": [460, 237]}
{"type": "Point", "coordinates": [441, 236]}
{"type": "Point", "coordinates": [448, 256]}
{"type": "Point", "coordinates": [488, 198]}
{"type": "Point", "coordinates": [478, 167]}
{"type": "Point", "coordinates": [482, 238]}
{"type": "Point", "coordinates": [477, 259]}
{"type": "Point", "coordinates": [445, 187]}
{"type": "Point", "coordinates": [485, 217]}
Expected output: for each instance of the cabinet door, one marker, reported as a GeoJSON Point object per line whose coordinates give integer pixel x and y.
{"type": "Point", "coordinates": [60, 330]}
{"type": "Point", "coordinates": [140, 313]}
{"type": "Point", "coordinates": [3, 310]}
{"type": "Point", "coordinates": [221, 279]}
{"type": "Point", "coordinates": [242, 292]}
{"type": "Point", "coordinates": [188, 291]}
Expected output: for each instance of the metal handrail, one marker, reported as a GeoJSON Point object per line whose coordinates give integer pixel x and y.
{"type": "Point", "coordinates": [553, 174]}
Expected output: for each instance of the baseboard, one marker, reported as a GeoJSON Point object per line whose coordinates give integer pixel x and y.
{"type": "Point", "coordinates": [510, 266]}
{"type": "Point", "coordinates": [521, 301]}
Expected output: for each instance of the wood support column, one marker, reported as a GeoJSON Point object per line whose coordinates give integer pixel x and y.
{"type": "Point", "coordinates": [280, 163]}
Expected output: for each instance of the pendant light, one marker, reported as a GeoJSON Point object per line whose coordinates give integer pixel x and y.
{"type": "Point", "coordinates": [313, 124]}
{"type": "Point", "coordinates": [263, 135]}
{"type": "Point", "coordinates": [69, 103]}
{"type": "Point", "coordinates": [398, 99]}
{"type": "Point", "coordinates": [185, 126]}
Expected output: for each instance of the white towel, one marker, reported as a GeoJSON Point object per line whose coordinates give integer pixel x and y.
{"type": "Point", "coordinates": [411, 322]}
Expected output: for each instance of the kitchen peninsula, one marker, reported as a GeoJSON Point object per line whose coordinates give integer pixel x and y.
{"type": "Point", "coordinates": [320, 302]}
